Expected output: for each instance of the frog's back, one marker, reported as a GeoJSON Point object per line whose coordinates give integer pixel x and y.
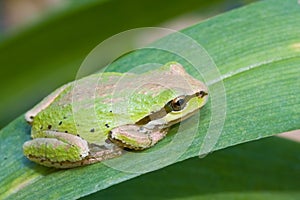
{"type": "Point", "coordinates": [74, 109]}
{"type": "Point", "coordinates": [92, 106]}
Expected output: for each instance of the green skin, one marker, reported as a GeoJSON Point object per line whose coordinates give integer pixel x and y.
{"type": "Point", "coordinates": [94, 118]}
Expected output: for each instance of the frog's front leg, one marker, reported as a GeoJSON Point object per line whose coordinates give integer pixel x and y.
{"type": "Point", "coordinates": [136, 137]}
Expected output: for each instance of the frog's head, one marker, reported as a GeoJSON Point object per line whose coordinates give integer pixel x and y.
{"type": "Point", "coordinates": [175, 96]}
{"type": "Point", "coordinates": [182, 96]}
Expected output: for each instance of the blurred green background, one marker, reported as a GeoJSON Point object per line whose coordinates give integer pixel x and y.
{"type": "Point", "coordinates": [42, 43]}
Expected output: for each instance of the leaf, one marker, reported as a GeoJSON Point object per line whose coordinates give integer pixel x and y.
{"type": "Point", "coordinates": [256, 170]}
{"type": "Point", "coordinates": [256, 50]}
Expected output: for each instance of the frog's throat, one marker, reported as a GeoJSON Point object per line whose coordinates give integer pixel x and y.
{"type": "Point", "coordinates": [159, 115]}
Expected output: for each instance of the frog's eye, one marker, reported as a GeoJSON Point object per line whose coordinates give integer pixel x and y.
{"type": "Point", "coordinates": [178, 103]}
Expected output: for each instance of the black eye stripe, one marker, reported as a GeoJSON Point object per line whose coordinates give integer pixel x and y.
{"type": "Point", "coordinates": [176, 104]}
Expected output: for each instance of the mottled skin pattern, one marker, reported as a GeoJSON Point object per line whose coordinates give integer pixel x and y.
{"type": "Point", "coordinates": [94, 118]}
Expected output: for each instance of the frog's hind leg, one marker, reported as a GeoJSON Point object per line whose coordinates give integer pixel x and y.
{"type": "Point", "coordinates": [136, 137]}
{"type": "Point", "coordinates": [56, 148]}
{"type": "Point", "coordinates": [64, 150]}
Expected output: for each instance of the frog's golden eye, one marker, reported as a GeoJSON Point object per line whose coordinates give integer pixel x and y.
{"type": "Point", "coordinates": [178, 103]}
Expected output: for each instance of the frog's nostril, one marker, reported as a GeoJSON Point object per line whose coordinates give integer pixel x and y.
{"type": "Point", "coordinates": [201, 94]}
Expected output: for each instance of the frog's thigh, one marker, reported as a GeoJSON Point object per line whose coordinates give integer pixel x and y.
{"type": "Point", "coordinates": [56, 147]}
{"type": "Point", "coordinates": [136, 137]}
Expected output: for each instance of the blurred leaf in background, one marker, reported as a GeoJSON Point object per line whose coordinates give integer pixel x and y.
{"type": "Point", "coordinates": [36, 59]}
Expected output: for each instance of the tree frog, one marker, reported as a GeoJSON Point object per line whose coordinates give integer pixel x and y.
{"type": "Point", "coordinates": [95, 118]}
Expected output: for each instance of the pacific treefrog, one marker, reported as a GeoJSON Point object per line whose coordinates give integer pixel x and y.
{"type": "Point", "coordinates": [96, 117]}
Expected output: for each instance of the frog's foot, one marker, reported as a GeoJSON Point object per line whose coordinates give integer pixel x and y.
{"type": "Point", "coordinates": [136, 137]}
{"type": "Point", "coordinates": [63, 150]}
{"type": "Point", "coordinates": [56, 147]}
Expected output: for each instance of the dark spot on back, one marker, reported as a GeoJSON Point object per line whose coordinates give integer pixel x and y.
{"type": "Point", "coordinates": [66, 131]}
{"type": "Point", "coordinates": [92, 130]}
{"type": "Point", "coordinates": [110, 111]}
{"type": "Point", "coordinates": [60, 123]}
{"type": "Point", "coordinates": [65, 117]}
{"type": "Point", "coordinates": [49, 126]}
{"type": "Point", "coordinates": [107, 126]}
{"type": "Point", "coordinates": [78, 135]}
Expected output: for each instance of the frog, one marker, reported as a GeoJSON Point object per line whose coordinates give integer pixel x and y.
{"type": "Point", "coordinates": [103, 115]}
